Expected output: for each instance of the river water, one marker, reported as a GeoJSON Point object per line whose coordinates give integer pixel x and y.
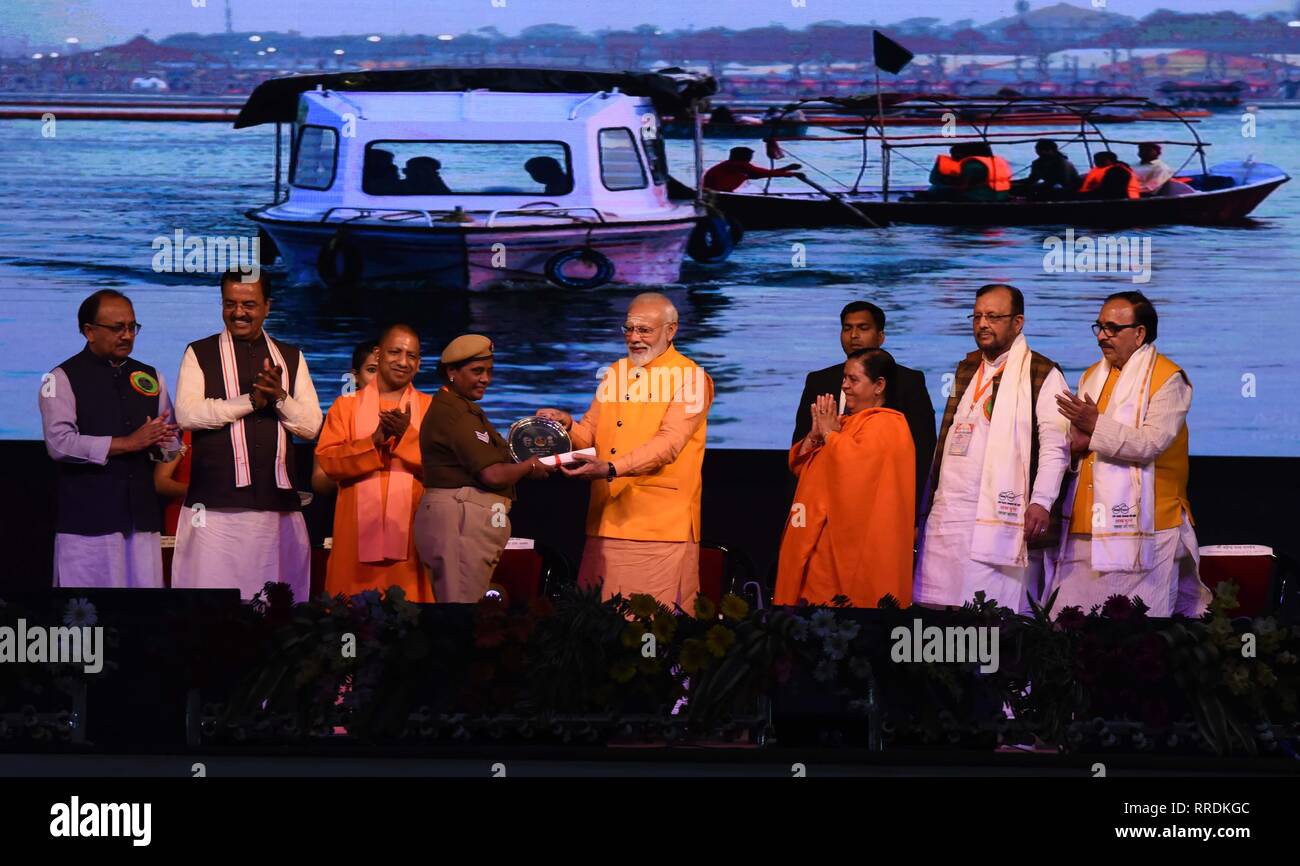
{"type": "Point", "coordinates": [81, 211]}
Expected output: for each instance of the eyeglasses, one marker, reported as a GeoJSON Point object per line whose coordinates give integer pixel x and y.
{"type": "Point", "coordinates": [1110, 328]}
{"type": "Point", "coordinates": [132, 327]}
{"type": "Point", "coordinates": [639, 330]}
{"type": "Point", "coordinates": [991, 319]}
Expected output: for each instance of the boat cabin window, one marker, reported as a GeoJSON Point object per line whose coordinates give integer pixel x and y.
{"type": "Point", "coordinates": [620, 162]}
{"type": "Point", "coordinates": [315, 157]}
{"type": "Point", "coordinates": [538, 168]}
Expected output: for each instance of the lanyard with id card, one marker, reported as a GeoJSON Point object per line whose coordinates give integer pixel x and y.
{"type": "Point", "coordinates": [959, 437]}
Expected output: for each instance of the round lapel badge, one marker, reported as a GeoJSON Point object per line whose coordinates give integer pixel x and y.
{"type": "Point", "coordinates": [144, 384]}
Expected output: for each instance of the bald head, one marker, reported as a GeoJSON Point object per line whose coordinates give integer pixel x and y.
{"type": "Point", "coordinates": [399, 328]}
{"type": "Point", "coordinates": [650, 327]}
{"type": "Point", "coordinates": [399, 357]}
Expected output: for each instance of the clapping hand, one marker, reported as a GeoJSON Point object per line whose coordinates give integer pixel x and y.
{"type": "Point", "coordinates": [266, 387]}
{"type": "Point", "coordinates": [152, 432]}
{"type": "Point", "coordinates": [396, 421]}
{"type": "Point", "coordinates": [1080, 413]}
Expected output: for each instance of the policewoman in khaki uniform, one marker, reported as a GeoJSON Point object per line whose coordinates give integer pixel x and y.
{"type": "Point", "coordinates": [462, 525]}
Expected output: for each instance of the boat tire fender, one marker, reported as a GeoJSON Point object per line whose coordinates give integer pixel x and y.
{"type": "Point", "coordinates": [737, 231]}
{"type": "Point", "coordinates": [335, 251]}
{"type": "Point", "coordinates": [555, 268]}
{"type": "Point", "coordinates": [711, 240]}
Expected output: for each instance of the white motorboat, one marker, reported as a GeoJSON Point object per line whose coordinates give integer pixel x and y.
{"type": "Point", "coordinates": [469, 178]}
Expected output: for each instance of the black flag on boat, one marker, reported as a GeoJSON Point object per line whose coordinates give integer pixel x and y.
{"type": "Point", "coordinates": [889, 55]}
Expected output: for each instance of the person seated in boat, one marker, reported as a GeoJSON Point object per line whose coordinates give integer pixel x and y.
{"type": "Point", "coordinates": [1152, 172]}
{"type": "Point", "coordinates": [728, 175]}
{"type": "Point", "coordinates": [970, 172]}
{"type": "Point", "coordinates": [379, 174]}
{"type": "Point", "coordinates": [547, 171]}
{"type": "Point", "coordinates": [722, 114]}
{"type": "Point", "coordinates": [1051, 175]}
{"type": "Point", "coordinates": [422, 177]}
{"type": "Point", "coordinates": [1109, 179]}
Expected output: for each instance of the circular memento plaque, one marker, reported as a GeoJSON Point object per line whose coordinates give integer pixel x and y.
{"type": "Point", "coordinates": [539, 437]}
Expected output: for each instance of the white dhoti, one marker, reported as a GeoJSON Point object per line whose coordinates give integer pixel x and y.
{"type": "Point", "coordinates": [947, 576]}
{"type": "Point", "coordinates": [1172, 585]}
{"type": "Point", "coordinates": [236, 547]}
{"type": "Point", "coordinates": [112, 561]}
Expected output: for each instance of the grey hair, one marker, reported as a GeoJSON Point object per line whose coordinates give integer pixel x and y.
{"type": "Point", "coordinates": [670, 310]}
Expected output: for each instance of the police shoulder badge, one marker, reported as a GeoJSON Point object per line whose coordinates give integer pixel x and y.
{"type": "Point", "coordinates": [144, 384]}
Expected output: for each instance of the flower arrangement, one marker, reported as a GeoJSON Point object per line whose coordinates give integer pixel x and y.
{"type": "Point", "coordinates": [1076, 681]}
{"type": "Point", "coordinates": [41, 702]}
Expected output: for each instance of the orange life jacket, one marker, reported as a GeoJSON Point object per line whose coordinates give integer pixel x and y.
{"type": "Point", "coordinates": [999, 171]}
{"type": "Point", "coordinates": [1092, 179]}
{"type": "Point", "coordinates": [950, 169]}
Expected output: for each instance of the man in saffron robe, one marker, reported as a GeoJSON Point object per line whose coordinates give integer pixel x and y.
{"type": "Point", "coordinates": [371, 447]}
{"type": "Point", "coordinates": [850, 528]}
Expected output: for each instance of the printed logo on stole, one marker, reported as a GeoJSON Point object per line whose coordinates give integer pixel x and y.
{"type": "Point", "coordinates": [1008, 507]}
{"type": "Point", "coordinates": [482, 436]}
{"type": "Point", "coordinates": [144, 384]}
{"type": "Point", "coordinates": [1124, 516]}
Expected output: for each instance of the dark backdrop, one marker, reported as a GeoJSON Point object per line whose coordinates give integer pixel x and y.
{"type": "Point", "coordinates": [1235, 500]}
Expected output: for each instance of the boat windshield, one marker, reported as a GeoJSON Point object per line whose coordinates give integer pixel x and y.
{"type": "Point", "coordinates": [467, 168]}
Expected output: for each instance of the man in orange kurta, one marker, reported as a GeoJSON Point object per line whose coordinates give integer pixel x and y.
{"type": "Point", "coordinates": [850, 528]}
{"type": "Point", "coordinates": [371, 446]}
{"type": "Point", "coordinates": [648, 424]}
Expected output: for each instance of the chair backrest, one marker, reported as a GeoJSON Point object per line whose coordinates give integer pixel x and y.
{"type": "Point", "coordinates": [1250, 566]}
{"type": "Point", "coordinates": [714, 580]}
{"type": "Point", "coordinates": [521, 573]}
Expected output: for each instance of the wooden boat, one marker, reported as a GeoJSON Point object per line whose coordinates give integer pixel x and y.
{"type": "Point", "coordinates": [1222, 194]}
{"type": "Point", "coordinates": [1225, 195]}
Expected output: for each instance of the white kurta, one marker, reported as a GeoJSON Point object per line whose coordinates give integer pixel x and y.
{"type": "Point", "coordinates": [116, 560]}
{"type": "Point", "coordinates": [1173, 585]}
{"type": "Point", "coordinates": [236, 547]}
{"type": "Point", "coordinates": [945, 573]}
{"type": "Point", "coordinates": [113, 561]}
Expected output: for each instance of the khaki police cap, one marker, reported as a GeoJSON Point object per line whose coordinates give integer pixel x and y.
{"type": "Point", "coordinates": [466, 347]}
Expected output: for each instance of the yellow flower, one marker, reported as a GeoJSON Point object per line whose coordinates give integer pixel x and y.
{"type": "Point", "coordinates": [664, 627]}
{"type": "Point", "coordinates": [649, 666]}
{"type": "Point", "coordinates": [705, 608]}
{"type": "Point", "coordinates": [643, 606]}
{"type": "Point", "coordinates": [719, 639]}
{"type": "Point", "coordinates": [631, 636]}
{"type": "Point", "coordinates": [622, 671]}
{"type": "Point", "coordinates": [734, 607]}
{"type": "Point", "coordinates": [693, 655]}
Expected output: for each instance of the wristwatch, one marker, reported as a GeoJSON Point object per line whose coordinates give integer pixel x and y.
{"type": "Point", "coordinates": [612, 472]}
